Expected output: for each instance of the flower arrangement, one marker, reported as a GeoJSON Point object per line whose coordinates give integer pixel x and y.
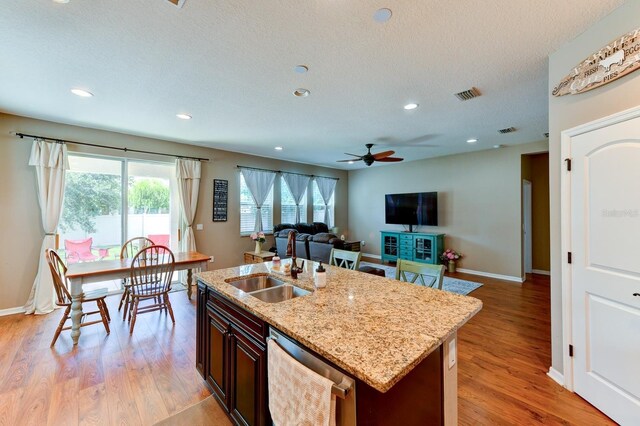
{"type": "Point", "coordinates": [450, 255]}
{"type": "Point", "coordinates": [258, 237]}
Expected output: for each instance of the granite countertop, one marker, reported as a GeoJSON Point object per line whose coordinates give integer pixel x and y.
{"type": "Point", "coordinates": [377, 329]}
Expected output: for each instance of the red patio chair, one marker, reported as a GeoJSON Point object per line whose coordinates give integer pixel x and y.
{"type": "Point", "coordinates": [159, 239]}
{"type": "Point", "coordinates": [80, 251]}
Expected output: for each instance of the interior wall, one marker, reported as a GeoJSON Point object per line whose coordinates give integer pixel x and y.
{"type": "Point", "coordinates": [479, 196]}
{"type": "Point", "coordinates": [535, 169]}
{"type": "Point", "coordinates": [572, 110]}
{"type": "Point", "coordinates": [20, 214]}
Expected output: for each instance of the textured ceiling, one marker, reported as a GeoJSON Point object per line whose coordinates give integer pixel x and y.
{"type": "Point", "coordinates": [230, 65]}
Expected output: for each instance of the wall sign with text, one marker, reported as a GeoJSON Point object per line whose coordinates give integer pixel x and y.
{"type": "Point", "coordinates": [615, 60]}
{"type": "Point", "coordinates": [220, 199]}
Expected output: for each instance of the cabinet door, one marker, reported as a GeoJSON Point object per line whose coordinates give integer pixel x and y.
{"type": "Point", "coordinates": [248, 380]}
{"type": "Point", "coordinates": [390, 246]}
{"type": "Point", "coordinates": [423, 249]}
{"type": "Point", "coordinates": [201, 323]}
{"type": "Point", "coordinates": [217, 366]}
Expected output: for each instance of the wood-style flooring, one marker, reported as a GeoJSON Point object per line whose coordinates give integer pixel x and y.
{"type": "Point", "coordinates": [504, 354]}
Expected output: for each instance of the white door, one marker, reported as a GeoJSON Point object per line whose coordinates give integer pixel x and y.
{"type": "Point", "coordinates": [605, 271]}
{"type": "Point", "coordinates": [527, 226]}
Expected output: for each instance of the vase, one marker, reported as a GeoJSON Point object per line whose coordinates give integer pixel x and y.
{"type": "Point", "coordinates": [452, 266]}
{"type": "Point", "coordinates": [258, 247]}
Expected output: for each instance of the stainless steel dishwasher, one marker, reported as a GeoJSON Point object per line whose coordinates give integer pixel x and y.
{"type": "Point", "coordinates": [344, 386]}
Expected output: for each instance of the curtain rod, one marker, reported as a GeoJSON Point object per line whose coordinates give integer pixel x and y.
{"type": "Point", "coordinates": [24, 135]}
{"type": "Point", "coordinates": [280, 171]}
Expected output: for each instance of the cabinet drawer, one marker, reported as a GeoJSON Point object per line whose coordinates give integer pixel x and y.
{"type": "Point", "coordinates": [406, 237]}
{"type": "Point", "coordinates": [247, 322]}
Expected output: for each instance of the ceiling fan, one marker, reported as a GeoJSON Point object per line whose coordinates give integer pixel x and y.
{"type": "Point", "coordinates": [369, 158]}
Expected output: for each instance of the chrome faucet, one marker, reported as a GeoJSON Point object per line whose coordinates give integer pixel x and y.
{"type": "Point", "coordinates": [291, 251]}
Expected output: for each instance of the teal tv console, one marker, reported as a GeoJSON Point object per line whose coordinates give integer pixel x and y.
{"type": "Point", "coordinates": [415, 246]}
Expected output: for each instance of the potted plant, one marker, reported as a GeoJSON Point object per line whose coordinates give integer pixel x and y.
{"type": "Point", "coordinates": [259, 238]}
{"type": "Point", "coordinates": [449, 258]}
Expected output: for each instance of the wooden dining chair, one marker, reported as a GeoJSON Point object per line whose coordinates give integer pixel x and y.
{"type": "Point", "coordinates": [428, 275]}
{"type": "Point", "coordinates": [59, 274]}
{"type": "Point", "coordinates": [128, 251]}
{"type": "Point", "coordinates": [151, 272]}
{"type": "Point", "coordinates": [345, 259]}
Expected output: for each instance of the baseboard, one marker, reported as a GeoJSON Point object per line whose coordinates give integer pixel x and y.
{"type": "Point", "coordinates": [540, 272]}
{"type": "Point", "coordinates": [511, 278]}
{"type": "Point", "coordinates": [371, 256]}
{"type": "Point", "coordinates": [556, 376]}
{"type": "Point", "coordinates": [12, 311]}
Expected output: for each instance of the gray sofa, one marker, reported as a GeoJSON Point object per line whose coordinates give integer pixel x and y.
{"type": "Point", "coordinates": [315, 247]}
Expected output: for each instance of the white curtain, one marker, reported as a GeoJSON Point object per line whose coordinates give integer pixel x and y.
{"type": "Point", "coordinates": [50, 161]}
{"type": "Point", "coordinates": [188, 175]}
{"type": "Point", "coordinates": [298, 185]}
{"type": "Point", "coordinates": [259, 183]}
{"type": "Point", "coordinates": [326, 186]}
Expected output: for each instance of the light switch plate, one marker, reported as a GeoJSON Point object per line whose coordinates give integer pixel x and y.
{"type": "Point", "coordinates": [199, 227]}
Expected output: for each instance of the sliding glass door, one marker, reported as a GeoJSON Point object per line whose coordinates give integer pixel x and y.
{"type": "Point", "coordinates": [97, 192]}
{"type": "Point", "coordinates": [152, 203]}
{"type": "Point", "coordinates": [91, 223]}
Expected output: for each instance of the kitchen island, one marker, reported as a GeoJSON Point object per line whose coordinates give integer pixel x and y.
{"type": "Point", "coordinates": [396, 339]}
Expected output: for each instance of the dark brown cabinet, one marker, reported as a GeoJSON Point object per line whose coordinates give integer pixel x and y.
{"type": "Point", "coordinates": [234, 358]}
{"type": "Point", "coordinates": [248, 373]}
{"type": "Point", "coordinates": [201, 319]}
{"type": "Point", "coordinates": [217, 369]}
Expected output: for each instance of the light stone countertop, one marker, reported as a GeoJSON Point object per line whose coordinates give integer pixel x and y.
{"type": "Point", "coordinates": [377, 329]}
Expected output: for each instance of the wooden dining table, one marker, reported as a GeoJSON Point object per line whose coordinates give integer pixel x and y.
{"type": "Point", "coordinates": [79, 274]}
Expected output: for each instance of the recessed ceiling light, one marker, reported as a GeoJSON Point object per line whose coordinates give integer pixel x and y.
{"type": "Point", "coordinates": [301, 93]}
{"type": "Point", "coordinates": [301, 69]}
{"type": "Point", "coordinates": [278, 148]}
{"type": "Point", "coordinates": [183, 116]}
{"type": "Point", "coordinates": [472, 140]}
{"type": "Point", "coordinates": [498, 146]}
{"type": "Point", "coordinates": [82, 93]}
{"type": "Point", "coordinates": [350, 162]}
{"type": "Point", "coordinates": [410, 106]}
{"type": "Point", "coordinates": [61, 1]}
{"type": "Point", "coordinates": [382, 15]}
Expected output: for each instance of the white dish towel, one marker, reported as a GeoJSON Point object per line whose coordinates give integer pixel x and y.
{"type": "Point", "coordinates": [298, 396]}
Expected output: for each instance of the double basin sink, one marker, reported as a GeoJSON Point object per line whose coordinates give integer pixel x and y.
{"type": "Point", "coordinates": [267, 288]}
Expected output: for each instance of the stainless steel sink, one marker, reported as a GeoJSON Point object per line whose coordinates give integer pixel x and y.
{"type": "Point", "coordinates": [257, 283]}
{"type": "Point", "coordinates": [280, 293]}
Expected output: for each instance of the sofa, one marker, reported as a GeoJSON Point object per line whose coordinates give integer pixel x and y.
{"type": "Point", "coordinates": [313, 241]}
{"type": "Point", "coordinates": [303, 228]}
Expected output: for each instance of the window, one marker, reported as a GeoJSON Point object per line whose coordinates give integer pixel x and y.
{"type": "Point", "coordinates": [288, 205]}
{"type": "Point", "coordinates": [318, 206]}
{"type": "Point", "coordinates": [248, 210]}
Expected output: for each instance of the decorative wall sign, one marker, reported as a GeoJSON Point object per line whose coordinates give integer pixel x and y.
{"type": "Point", "coordinates": [220, 199]}
{"type": "Point", "coordinates": [617, 59]}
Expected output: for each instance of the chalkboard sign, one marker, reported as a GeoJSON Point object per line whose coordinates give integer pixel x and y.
{"type": "Point", "coordinates": [220, 198]}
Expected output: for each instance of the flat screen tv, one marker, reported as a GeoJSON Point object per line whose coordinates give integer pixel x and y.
{"type": "Point", "coordinates": [418, 208]}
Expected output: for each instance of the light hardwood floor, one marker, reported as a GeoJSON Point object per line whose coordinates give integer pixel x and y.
{"type": "Point", "coordinates": [504, 353]}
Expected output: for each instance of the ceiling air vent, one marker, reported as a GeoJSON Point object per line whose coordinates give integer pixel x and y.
{"type": "Point", "coordinates": [507, 130]}
{"type": "Point", "coordinates": [468, 94]}
{"type": "Point", "coordinates": [177, 3]}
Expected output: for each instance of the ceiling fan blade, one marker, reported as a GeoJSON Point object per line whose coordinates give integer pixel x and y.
{"type": "Point", "coordinates": [345, 161]}
{"type": "Point", "coordinates": [383, 154]}
{"type": "Point", "coordinates": [346, 153]}
{"type": "Point", "coordinates": [390, 159]}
